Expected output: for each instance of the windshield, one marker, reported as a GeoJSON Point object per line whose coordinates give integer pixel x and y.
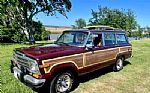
{"type": "Point", "coordinates": [73, 38]}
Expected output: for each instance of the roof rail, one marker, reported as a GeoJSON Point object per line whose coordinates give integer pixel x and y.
{"type": "Point", "coordinates": [100, 27]}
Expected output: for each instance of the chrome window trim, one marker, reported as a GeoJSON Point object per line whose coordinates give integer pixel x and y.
{"type": "Point", "coordinates": [103, 39]}
{"type": "Point", "coordinates": [89, 33]}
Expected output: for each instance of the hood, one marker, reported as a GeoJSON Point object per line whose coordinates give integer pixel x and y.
{"type": "Point", "coordinates": [49, 51]}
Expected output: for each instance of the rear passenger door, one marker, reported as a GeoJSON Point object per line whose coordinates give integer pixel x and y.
{"type": "Point", "coordinates": [101, 56]}
{"type": "Point", "coordinates": [110, 46]}
{"type": "Point", "coordinates": [104, 53]}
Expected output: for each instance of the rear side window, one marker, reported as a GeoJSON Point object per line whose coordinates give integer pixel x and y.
{"type": "Point", "coordinates": [95, 39]}
{"type": "Point", "coordinates": [109, 39]}
{"type": "Point", "coordinates": [121, 39]}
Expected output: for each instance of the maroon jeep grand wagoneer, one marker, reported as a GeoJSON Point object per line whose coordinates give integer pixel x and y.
{"type": "Point", "coordinates": [56, 67]}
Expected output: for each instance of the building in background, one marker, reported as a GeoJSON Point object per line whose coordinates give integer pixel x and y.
{"type": "Point", "coordinates": [56, 31]}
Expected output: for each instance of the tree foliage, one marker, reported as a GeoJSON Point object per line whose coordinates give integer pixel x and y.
{"type": "Point", "coordinates": [139, 32]}
{"type": "Point", "coordinates": [11, 21]}
{"type": "Point", "coordinates": [38, 30]}
{"type": "Point", "coordinates": [49, 7]}
{"type": "Point", "coordinates": [79, 23]}
{"type": "Point", "coordinates": [16, 17]}
{"type": "Point", "coordinates": [148, 31]}
{"type": "Point", "coordinates": [118, 18]}
{"type": "Point", "coordinates": [45, 35]}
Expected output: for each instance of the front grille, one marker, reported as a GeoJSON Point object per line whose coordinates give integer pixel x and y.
{"type": "Point", "coordinates": [21, 60]}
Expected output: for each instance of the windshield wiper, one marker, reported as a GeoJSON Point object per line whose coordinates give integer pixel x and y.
{"type": "Point", "coordinates": [65, 44]}
{"type": "Point", "coordinates": [62, 43]}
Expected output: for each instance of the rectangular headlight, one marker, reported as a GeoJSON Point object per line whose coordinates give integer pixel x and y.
{"type": "Point", "coordinates": [34, 68]}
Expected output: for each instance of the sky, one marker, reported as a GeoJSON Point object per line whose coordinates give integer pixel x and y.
{"type": "Point", "coordinates": [82, 9]}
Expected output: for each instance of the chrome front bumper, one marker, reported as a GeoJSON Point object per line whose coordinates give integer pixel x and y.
{"type": "Point", "coordinates": [28, 79]}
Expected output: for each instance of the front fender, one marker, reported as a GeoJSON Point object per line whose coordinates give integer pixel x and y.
{"type": "Point", "coordinates": [57, 68]}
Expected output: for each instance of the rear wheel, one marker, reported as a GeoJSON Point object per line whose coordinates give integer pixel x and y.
{"type": "Point", "coordinates": [118, 65]}
{"type": "Point", "coordinates": [62, 83]}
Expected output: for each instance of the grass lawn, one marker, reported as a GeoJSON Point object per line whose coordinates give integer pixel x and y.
{"type": "Point", "coordinates": [134, 78]}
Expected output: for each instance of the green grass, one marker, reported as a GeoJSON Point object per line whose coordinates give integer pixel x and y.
{"type": "Point", "coordinates": [134, 78]}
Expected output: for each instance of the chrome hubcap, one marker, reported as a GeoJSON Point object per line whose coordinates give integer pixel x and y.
{"type": "Point", "coordinates": [119, 64]}
{"type": "Point", "coordinates": [63, 83]}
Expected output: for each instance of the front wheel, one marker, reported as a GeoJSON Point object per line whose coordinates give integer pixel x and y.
{"type": "Point", "coordinates": [62, 83]}
{"type": "Point", "coordinates": [118, 65]}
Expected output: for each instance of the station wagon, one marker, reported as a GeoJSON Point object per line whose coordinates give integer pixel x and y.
{"type": "Point", "coordinates": [56, 67]}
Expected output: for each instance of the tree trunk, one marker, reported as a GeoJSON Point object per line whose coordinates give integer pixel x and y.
{"type": "Point", "coordinates": [31, 37]}
{"type": "Point", "coordinates": [29, 26]}
{"type": "Point", "coordinates": [30, 31]}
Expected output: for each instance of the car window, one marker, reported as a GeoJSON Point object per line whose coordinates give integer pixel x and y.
{"type": "Point", "coordinates": [109, 39]}
{"type": "Point", "coordinates": [73, 38]}
{"type": "Point", "coordinates": [67, 38]}
{"type": "Point", "coordinates": [121, 39]}
{"type": "Point", "coordinates": [80, 37]}
{"type": "Point", "coordinates": [95, 39]}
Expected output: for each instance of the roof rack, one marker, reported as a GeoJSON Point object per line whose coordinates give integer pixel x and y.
{"type": "Point", "coordinates": [100, 27]}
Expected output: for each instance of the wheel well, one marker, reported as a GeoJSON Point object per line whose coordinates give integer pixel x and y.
{"type": "Point", "coordinates": [71, 69]}
{"type": "Point", "coordinates": [63, 69]}
{"type": "Point", "coordinates": [123, 56]}
{"type": "Point", "coordinates": [55, 73]}
{"type": "Point", "coordinates": [58, 71]}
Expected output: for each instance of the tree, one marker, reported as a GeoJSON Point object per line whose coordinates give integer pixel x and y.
{"type": "Point", "coordinates": [130, 21]}
{"type": "Point", "coordinates": [117, 18]}
{"type": "Point", "coordinates": [139, 32]}
{"type": "Point", "coordinates": [38, 29]}
{"type": "Point", "coordinates": [134, 34]}
{"type": "Point", "coordinates": [79, 23]}
{"type": "Point", "coordinates": [16, 16]}
{"type": "Point", "coordinates": [11, 21]}
{"type": "Point", "coordinates": [45, 35]}
{"type": "Point", "coordinates": [49, 7]}
{"type": "Point", "coordinates": [148, 31]}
